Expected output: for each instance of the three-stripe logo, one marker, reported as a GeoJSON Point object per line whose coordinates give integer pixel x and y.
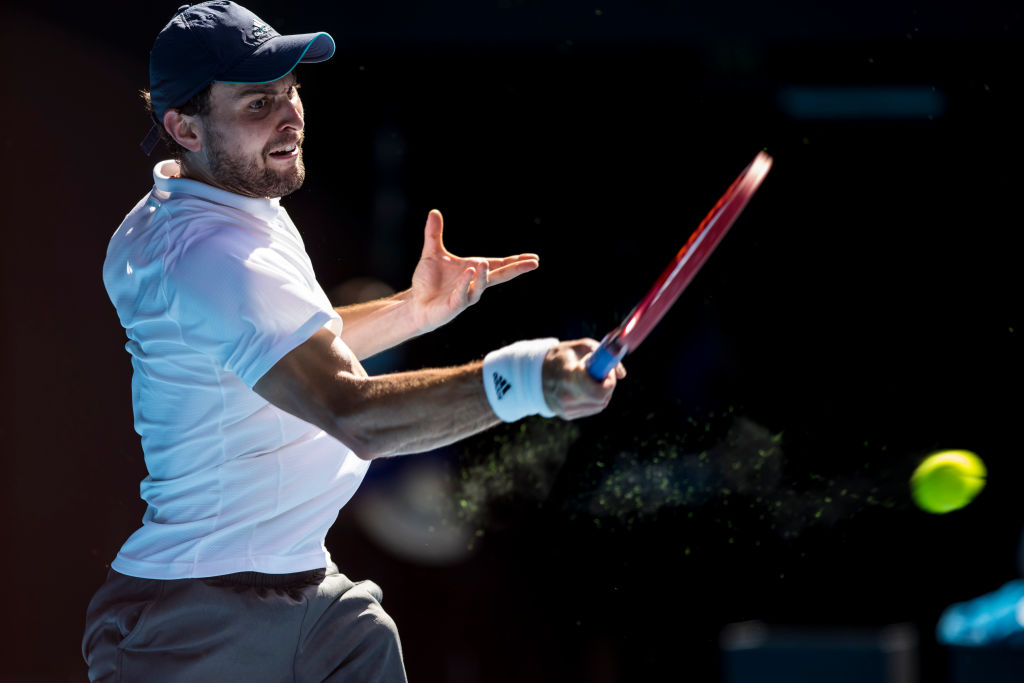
{"type": "Point", "coordinates": [501, 385]}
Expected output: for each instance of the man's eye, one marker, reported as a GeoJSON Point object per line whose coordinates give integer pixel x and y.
{"type": "Point", "coordinates": [258, 104]}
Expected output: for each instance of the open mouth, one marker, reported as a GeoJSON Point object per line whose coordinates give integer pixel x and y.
{"type": "Point", "coordinates": [286, 152]}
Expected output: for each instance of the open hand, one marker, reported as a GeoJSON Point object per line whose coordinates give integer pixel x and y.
{"type": "Point", "coordinates": [444, 285]}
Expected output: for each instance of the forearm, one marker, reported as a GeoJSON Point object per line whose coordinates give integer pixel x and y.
{"type": "Point", "coordinates": [374, 326]}
{"type": "Point", "coordinates": [409, 412]}
{"type": "Point", "coordinates": [323, 383]}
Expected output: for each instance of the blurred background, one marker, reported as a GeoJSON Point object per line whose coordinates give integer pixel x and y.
{"type": "Point", "coordinates": [753, 467]}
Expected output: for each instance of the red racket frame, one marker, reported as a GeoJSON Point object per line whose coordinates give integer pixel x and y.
{"type": "Point", "coordinates": [671, 283]}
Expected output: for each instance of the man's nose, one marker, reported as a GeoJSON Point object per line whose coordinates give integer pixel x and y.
{"type": "Point", "coordinates": [292, 115]}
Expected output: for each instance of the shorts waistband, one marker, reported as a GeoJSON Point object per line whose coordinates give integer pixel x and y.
{"type": "Point", "coordinates": [260, 580]}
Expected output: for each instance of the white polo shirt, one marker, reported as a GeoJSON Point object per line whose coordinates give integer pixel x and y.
{"type": "Point", "coordinates": [214, 288]}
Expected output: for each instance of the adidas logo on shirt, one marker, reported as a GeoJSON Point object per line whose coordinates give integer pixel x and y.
{"type": "Point", "coordinates": [501, 385]}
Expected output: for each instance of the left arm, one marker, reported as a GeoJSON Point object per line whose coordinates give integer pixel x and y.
{"type": "Point", "coordinates": [443, 285]}
{"type": "Point", "coordinates": [374, 326]}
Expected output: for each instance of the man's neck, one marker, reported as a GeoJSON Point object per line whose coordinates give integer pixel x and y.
{"type": "Point", "coordinates": [201, 174]}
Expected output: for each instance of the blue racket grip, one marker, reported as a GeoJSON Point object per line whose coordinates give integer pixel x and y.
{"type": "Point", "coordinates": [605, 357]}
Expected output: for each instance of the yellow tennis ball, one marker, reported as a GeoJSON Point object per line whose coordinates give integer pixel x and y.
{"type": "Point", "coordinates": [947, 481]}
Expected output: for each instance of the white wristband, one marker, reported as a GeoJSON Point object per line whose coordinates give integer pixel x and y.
{"type": "Point", "coordinates": [512, 379]}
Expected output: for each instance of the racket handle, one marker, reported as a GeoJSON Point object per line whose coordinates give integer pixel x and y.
{"type": "Point", "coordinates": [605, 357]}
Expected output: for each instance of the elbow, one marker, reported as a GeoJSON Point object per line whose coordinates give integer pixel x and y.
{"type": "Point", "coordinates": [366, 451]}
{"type": "Point", "coordinates": [364, 441]}
{"type": "Point", "coordinates": [362, 444]}
{"type": "Point", "coordinates": [357, 419]}
{"type": "Point", "coordinates": [364, 454]}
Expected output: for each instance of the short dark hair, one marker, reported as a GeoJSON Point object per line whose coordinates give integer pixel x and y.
{"type": "Point", "coordinates": [198, 105]}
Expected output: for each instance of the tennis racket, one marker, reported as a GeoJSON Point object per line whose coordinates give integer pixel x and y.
{"type": "Point", "coordinates": [642, 319]}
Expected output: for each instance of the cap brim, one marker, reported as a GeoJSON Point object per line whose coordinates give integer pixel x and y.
{"type": "Point", "coordinates": [277, 57]}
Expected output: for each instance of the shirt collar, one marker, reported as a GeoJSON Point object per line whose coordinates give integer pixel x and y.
{"type": "Point", "coordinates": [167, 179]}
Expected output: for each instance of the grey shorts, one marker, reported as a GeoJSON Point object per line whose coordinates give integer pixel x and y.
{"type": "Point", "coordinates": [307, 627]}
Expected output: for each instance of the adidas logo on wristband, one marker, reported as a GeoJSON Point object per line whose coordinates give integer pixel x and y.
{"type": "Point", "coordinates": [501, 385]}
{"type": "Point", "coordinates": [512, 378]}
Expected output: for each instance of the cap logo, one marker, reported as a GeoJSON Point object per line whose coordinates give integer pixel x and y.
{"type": "Point", "coordinates": [258, 29]}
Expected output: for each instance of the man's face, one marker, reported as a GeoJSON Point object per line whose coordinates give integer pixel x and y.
{"type": "Point", "coordinates": [252, 139]}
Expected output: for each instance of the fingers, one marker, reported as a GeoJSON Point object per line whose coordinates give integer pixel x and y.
{"type": "Point", "coordinates": [501, 269]}
{"type": "Point", "coordinates": [469, 287]}
{"type": "Point", "coordinates": [496, 263]}
{"type": "Point", "coordinates": [584, 346]}
{"type": "Point", "coordinates": [460, 295]}
{"type": "Point", "coordinates": [575, 409]}
{"type": "Point", "coordinates": [478, 283]}
{"type": "Point", "coordinates": [592, 397]}
{"type": "Point", "coordinates": [513, 270]}
{"type": "Point", "coordinates": [571, 392]}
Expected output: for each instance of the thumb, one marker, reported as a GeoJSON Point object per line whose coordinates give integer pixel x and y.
{"type": "Point", "coordinates": [432, 234]}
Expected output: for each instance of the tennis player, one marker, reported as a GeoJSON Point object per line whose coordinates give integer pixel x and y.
{"type": "Point", "coordinates": [257, 420]}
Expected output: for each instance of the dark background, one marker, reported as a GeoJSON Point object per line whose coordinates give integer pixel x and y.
{"type": "Point", "coordinates": [754, 464]}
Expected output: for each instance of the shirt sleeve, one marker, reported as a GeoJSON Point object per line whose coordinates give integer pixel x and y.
{"type": "Point", "coordinates": [245, 305]}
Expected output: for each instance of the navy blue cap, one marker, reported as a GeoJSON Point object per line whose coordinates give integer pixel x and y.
{"type": "Point", "coordinates": [220, 41]}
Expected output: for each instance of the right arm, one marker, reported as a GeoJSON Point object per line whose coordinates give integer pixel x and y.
{"type": "Point", "coordinates": [323, 383]}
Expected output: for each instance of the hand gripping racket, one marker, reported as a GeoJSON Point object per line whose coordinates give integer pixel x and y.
{"type": "Point", "coordinates": [642, 319]}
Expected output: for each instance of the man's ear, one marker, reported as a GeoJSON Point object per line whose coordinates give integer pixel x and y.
{"type": "Point", "coordinates": [184, 129]}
